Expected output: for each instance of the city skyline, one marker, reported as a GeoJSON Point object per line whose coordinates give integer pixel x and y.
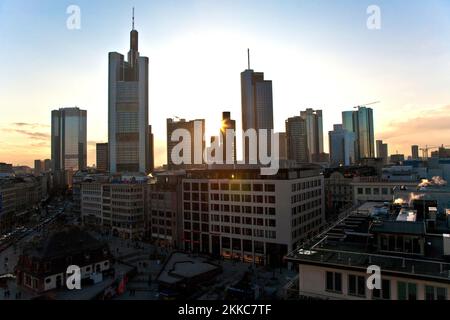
{"type": "Point", "coordinates": [318, 70]}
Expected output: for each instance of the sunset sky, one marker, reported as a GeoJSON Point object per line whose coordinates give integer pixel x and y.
{"type": "Point", "coordinates": [318, 53]}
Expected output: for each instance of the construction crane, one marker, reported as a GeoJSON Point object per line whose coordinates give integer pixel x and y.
{"type": "Point", "coordinates": [366, 104]}
{"type": "Point", "coordinates": [428, 148]}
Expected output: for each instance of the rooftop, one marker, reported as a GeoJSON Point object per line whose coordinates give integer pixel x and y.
{"type": "Point", "coordinates": [352, 243]}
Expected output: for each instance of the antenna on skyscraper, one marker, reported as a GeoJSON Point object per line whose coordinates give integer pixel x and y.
{"type": "Point", "coordinates": [133, 19]}
{"type": "Point", "coordinates": [248, 58]}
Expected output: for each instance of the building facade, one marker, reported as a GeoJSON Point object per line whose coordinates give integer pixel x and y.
{"type": "Point", "coordinates": [69, 139]}
{"type": "Point", "coordinates": [102, 157]}
{"type": "Point", "coordinates": [118, 205]}
{"type": "Point", "coordinates": [297, 140]}
{"type": "Point", "coordinates": [361, 123]}
{"type": "Point", "coordinates": [342, 146]}
{"type": "Point", "coordinates": [257, 105]}
{"type": "Point", "coordinates": [314, 133]}
{"type": "Point", "coordinates": [194, 132]}
{"type": "Point", "coordinates": [128, 110]}
{"type": "Point", "coordinates": [239, 214]}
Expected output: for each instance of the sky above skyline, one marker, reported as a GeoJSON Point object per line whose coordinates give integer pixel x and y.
{"type": "Point", "coordinates": [319, 54]}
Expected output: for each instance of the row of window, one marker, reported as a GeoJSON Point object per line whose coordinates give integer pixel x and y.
{"type": "Point", "coordinates": [306, 185]}
{"type": "Point", "coordinates": [375, 191]}
{"type": "Point", "coordinates": [357, 286]}
{"type": "Point", "coordinates": [306, 195]}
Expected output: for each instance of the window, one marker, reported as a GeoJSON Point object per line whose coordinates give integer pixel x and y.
{"type": "Point", "coordinates": [435, 293]}
{"type": "Point", "coordinates": [360, 190]}
{"type": "Point", "coordinates": [356, 285]}
{"type": "Point", "coordinates": [376, 191]}
{"type": "Point", "coordinates": [384, 293]}
{"type": "Point", "coordinates": [257, 187]}
{"type": "Point", "coordinates": [334, 281]}
{"type": "Point", "coordinates": [406, 291]}
{"type": "Point", "coordinates": [368, 191]}
{"type": "Point", "coordinates": [270, 188]}
{"type": "Point", "coordinates": [235, 187]}
{"type": "Point", "coordinates": [384, 191]}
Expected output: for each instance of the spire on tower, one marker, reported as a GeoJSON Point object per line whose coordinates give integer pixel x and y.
{"type": "Point", "coordinates": [133, 20]}
{"type": "Point", "coordinates": [248, 58]}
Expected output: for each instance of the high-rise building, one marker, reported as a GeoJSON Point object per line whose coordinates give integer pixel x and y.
{"type": "Point", "coordinates": [282, 154]}
{"type": "Point", "coordinates": [361, 123]}
{"type": "Point", "coordinates": [151, 150]}
{"type": "Point", "coordinates": [47, 165]}
{"type": "Point", "coordinates": [415, 152]}
{"type": "Point", "coordinates": [228, 124]}
{"type": "Point", "coordinates": [257, 104]}
{"type": "Point", "coordinates": [196, 136]}
{"type": "Point", "coordinates": [102, 153]}
{"type": "Point", "coordinates": [382, 151]}
{"type": "Point", "coordinates": [342, 146]}
{"type": "Point", "coordinates": [128, 110]}
{"type": "Point", "coordinates": [69, 139]}
{"type": "Point", "coordinates": [314, 133]}
{"type": "Point", "coordinates": [296, 139]}
{"type": "Point", "coordinates": [38, 167]}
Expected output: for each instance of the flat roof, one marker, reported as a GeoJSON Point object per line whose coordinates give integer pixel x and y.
{"type": "Point", "coordinates": [183, 266]}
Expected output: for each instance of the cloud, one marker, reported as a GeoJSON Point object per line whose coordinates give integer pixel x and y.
{"type": "Point", "coordinates": [31, 134]}
{"type": "Point", "coordinates": [31, 125]}
{"type": "Point", "coordinates": [430, 127]}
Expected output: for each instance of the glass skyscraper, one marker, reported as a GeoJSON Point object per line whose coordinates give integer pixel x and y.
{"type": "Point", "coordinates": [69, 139]}
{"type": "Point", "coordinates": [257, 104]}
{"type": "Point", "coordinates": [361, 123]}
{"type": "Point", "coordinates": [128, 129]}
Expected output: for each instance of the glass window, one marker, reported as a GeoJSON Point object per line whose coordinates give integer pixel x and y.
{"type": "Point", "coordinates": [401, 290]}
{"type": "Point", "coordinates": [360, 190]}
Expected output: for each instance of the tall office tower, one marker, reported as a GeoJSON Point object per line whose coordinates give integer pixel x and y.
{"type": "Point", "coordinates": [151, 150]}
{"type": "Point", "coordinates": [47, 165]}
{"type": "Point", "coordinates": [314, 133]}
{"type": "Point", "coordinates": [342, 146]}
{"type": "Point", "coordinates": [361, 123]}
{"type": "Point", "coordinates": [296, 139]}
{"type": "Point", "coordinates": [38, 167]}
{"type": "Point", "coordinates": [257, 103]}
{"type": "Point", "coordinates": [128, 110]}
{"type": "Point", "coordinates": [228, 123]}
{"type": "Point", "coordinates": [69, 139]}
{"type": "Point", "coordinates": [102, 153]}
{"type": "Point", "coordinates": [193, 139]}
{"type": "Point", "coordinates": [282, 154]}
{"type": "Point", "coordinates": [415, 152]}
{"type": "Point", "coordinates": [382, 151]}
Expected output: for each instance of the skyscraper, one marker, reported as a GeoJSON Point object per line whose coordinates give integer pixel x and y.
{"type": "Point", "coordinates": [38, 167]}
{"type": "Point", "coordinates": [296, 139]}
{"type": "Point", "coordinates": [314, 133]}
{"type": "Point", "coordinates": [69, 139]}
{"type": "Point", "coordinates": [192, 140]}
{"type": "Point", "coordinates": [361, 123]}
{"type": "Point", "coordinates": [415, 152]}
{"type": "Point", "coordinates": [128, 110]}
{"type": "Point", "coordinates": [151, 159]}
{"type": "Point", "coordinates": [228, 124]}
{"type": "Point", "coordinates": [382, 151]}
{"type": "Point", "coordinates": [342, 146]}
{"type": "Point", "coordinates": [257, 103]}
{"type": "Point", "coordinates": [102, 153]}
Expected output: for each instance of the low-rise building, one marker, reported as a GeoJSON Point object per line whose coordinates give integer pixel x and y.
{"type": "Point", "coordinates": [118, 205]}
{"type": "Point", "coordinates": [19, 197]}
{"type": "Point", "coordinates": [43, 266]}
{"type": "Point", "coordinates": [410, 259]}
